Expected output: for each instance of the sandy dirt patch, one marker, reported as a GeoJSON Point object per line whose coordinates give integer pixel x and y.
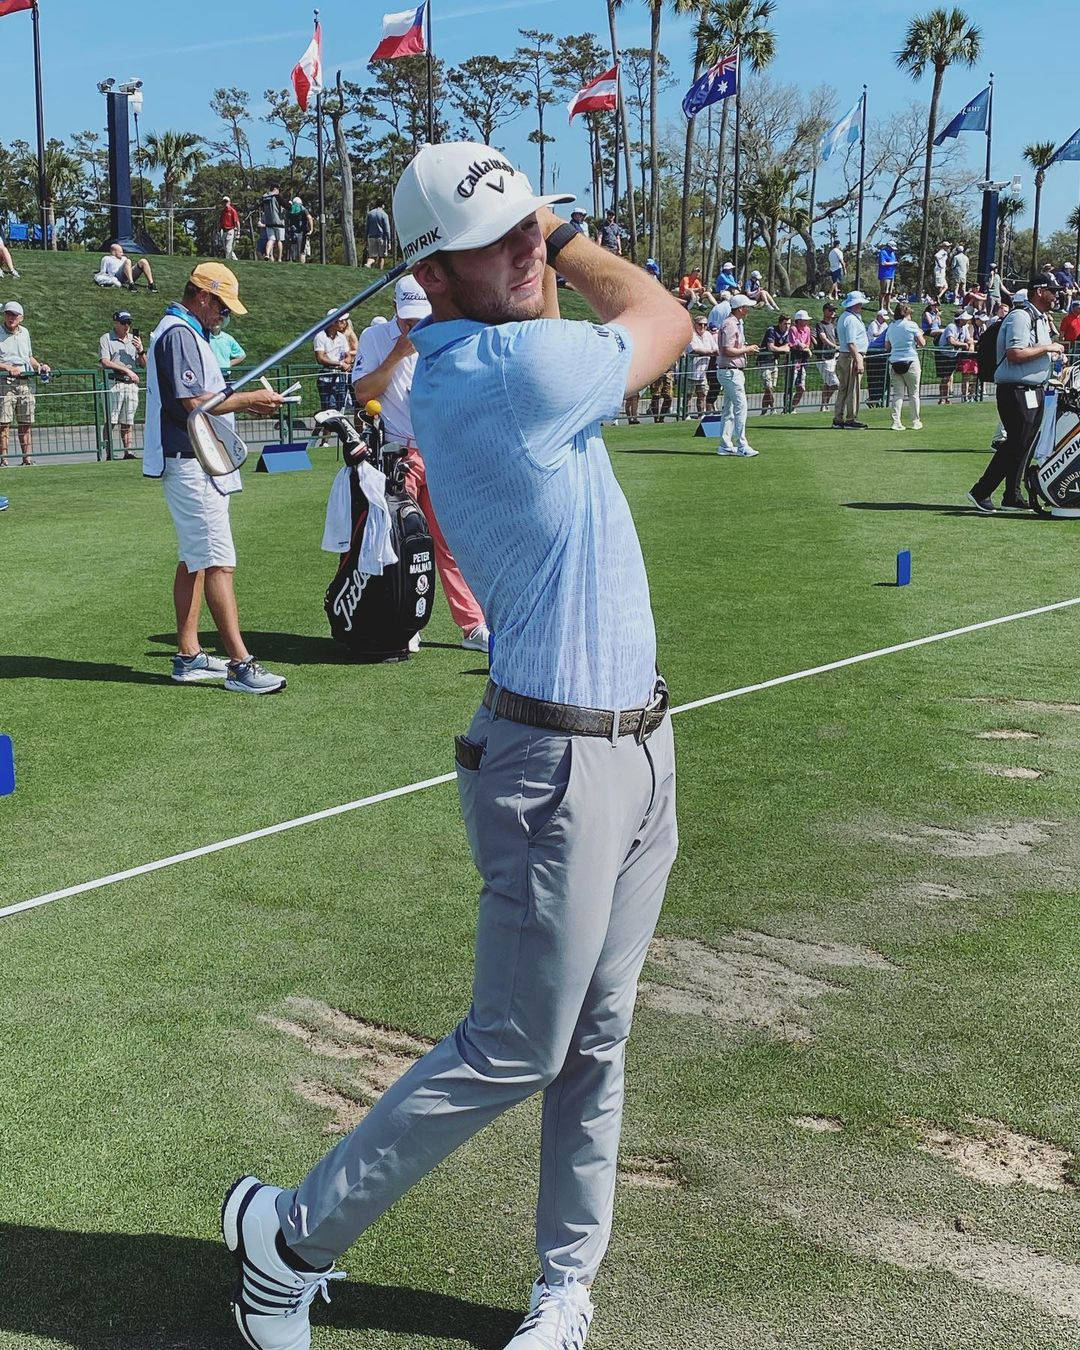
{"type": "Point", "coordinates": [1007, 734]}
{"type": "Point", "coordinates": [998, 1156]}
{"type": "Point", "coordinates": [799, 952]}
{"type": "Point", "coordinates": [994, 841]}
{"type": "Point", "coordinates": [650, 1174]}
{"type": "Point", "coordinates": [817, 1124]}
{"type": "Point", "coordinates": [1013, 771]}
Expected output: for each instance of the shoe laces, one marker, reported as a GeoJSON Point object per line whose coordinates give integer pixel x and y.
{"type": "Point", "coordinates": [319, 1286]}
{"type": "Point", "coordinates": [570, 1324]}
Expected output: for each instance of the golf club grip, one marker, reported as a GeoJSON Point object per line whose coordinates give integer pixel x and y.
{"type": "Point", "coordinates": [258, 371]}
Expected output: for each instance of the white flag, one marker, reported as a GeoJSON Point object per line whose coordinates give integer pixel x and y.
{"type": "Point", "coordinates": [846, 131]}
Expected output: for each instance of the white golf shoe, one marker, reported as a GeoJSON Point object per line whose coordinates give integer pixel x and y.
{"type": "Point", "coordinates": [559, 1317]}
{"type": "Point", "coordinates": [271, 1300]}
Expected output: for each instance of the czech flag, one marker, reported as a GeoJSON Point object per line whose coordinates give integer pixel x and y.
{"type": "Point", "coordinates": [13, 6]}
{"type": "Point", "coordinates": [598, 94]}
{"type": "Point", "coordinates": [307, 73]}
{"type": "Point", "coordinates": [402, 34]}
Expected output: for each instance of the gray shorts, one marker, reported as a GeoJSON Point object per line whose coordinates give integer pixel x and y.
{"type": "Point", "coordinates": [275, 233]}
{"type": "Point", "coordinates": [377, 247]}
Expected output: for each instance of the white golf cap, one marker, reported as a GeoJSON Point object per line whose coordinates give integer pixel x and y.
{"type": "Point", "coordinates": [461, 195]}
{"type": "Point", "coordinates": [855, 298]}
{"type": "Point", "coordinates": [13, 307]}
{"type": "Point", "coordinates": [410, 301]}
{"type": "Point", "coordinates": [801, 314]}
{"type": "Point", "coordinates": [741, 302]}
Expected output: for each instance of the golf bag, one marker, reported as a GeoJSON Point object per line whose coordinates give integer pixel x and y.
{"type": "Point", "coordinates": [374, 611]}
{"type": "Point", "coordinates": [1052, 475]}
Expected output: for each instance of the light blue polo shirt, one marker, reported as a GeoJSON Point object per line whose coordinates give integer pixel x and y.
{"type": "Point", "coordinates": [850, 329]}
{"type": "Point", "coordinates": [508, 420]}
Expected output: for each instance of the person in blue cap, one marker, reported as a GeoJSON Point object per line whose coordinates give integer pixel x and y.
{"type": "Point", "coordinates": [652, 266]}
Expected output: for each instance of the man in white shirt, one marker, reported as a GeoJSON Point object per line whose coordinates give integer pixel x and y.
{"type": "Point", "coordinates": [836, 269]}
{"type": "Point", "coordinates": [121, 353]}
{"type": "Point", "coordinates": [17, 362]}
{"type": "Point", "coordinates": [332, 353]}
{"type": "Point", "coordinates": [850, 362]}
{"type": "Point", "coordinates": [701, 350]}
{"type": "Point", "coordinates": [117, 270]}
{"type": "Point", "coordinates": [941, 281]}
{"type": "Point", "coordinates": [720, 311]}
{"type": "Point", "coordinates": [384, 368]}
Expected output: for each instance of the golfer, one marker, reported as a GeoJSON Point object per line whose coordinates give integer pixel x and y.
{"type": "Point", "coordinates": [182, 372]}
{"type": "Point", "coordinates": [566, 775]}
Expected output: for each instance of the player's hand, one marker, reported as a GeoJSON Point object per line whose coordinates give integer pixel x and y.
{"type": "Point", "coordinates": [1055, 349]}
{"type": "Point", "coordinates": [402, 348]}
{"type": "Point", "coordinates": [263, 402]}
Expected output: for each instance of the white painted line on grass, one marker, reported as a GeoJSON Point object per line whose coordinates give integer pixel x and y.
{"type": "Point", "coordinates": [425, 783]}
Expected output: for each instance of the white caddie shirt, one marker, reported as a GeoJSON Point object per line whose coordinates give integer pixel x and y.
{"type": "Point", "coordinates": [336, 348]}
{"type": "Point", "coordinates": [376, 344]}
{"type": "Point", "coordinates": [14, 349]}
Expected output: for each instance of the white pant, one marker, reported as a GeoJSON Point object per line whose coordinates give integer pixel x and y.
{"type": "Point", "coordinates": [123, 403]}
{"type": "Point", "coordinates": [733, 410]}
{"type": "Point", "coordinates": [229, 240]}
{"type": "Point", "coordinates": [901, 384]}
{"type": "Point", "coordinates": [200, 514]}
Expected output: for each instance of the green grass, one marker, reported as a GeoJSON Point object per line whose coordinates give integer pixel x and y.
{"type": "Point", "coordinates": [139, 1078]}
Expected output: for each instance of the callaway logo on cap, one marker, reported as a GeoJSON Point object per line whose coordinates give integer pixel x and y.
{"type": "Point", "coordinates": [461, 195]}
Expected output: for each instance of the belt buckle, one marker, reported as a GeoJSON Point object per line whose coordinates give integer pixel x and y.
{"type": "Point", "coordinates": [657, 704]}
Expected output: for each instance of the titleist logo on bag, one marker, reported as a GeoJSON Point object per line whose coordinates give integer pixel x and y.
{"type": "Point", "coordinates": [347, 599]}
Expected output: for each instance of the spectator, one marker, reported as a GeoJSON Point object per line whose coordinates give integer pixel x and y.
{"type": "Point", "coordinates": [836, 269]}
{"type": "Point", "coordinates": [959, 269]}
{"type": "Point", "coordinates": [273, 222]}
{"type": "Point", "coordinates": [651, 266]}
{"type": "Point", "coordinates": [877, 364]}
{"type": "Point", "coordinates": [774, 346]}
{"type": "Point", "coordinates": [377, 233]}
{"type": "Point", "coordinates": [801, 341]}
{"type": "Point", "coordinates": [852, 340]}
{"type": "Point", "coordinates": [725, 279]}
{"type": "Point", "coordinates": [1025, 353]}
{"type": "Point", "coordinates": [720, 310]}
{"type": "Point", "coordinates": [116, 270]}
{"type": "Point", "coordinates": [631, 406]}
{"type": "Point", "coordinates": [1070, 324]}
{"type": "Point", "coordinates": [691, 288]}
{"type": "Point", "coordinates": [902, 342]}
{"type": "Point", "coordinates": [827, 349]}
{"type": "Point", "coordinates": [611, 233]}
{"type": "Point", "coordinates": [661, 394]}
{"type": "Point", "coordinates": [351, 338]}
{"type": "Point", "coordinates": [1066, 279]}
{"type": "Point", "coordinates": [17, 363]}
{"type": "Point", "coordinates": [941, 263]}
{"type": "Point", "coordinates": [950, 343]}
{"type": "Point", "coordinates": [579, 220]}
{"type": "Point", "coordinates": [757, 292]}
{"type": "Point", "coordinates": [385, 366]}
{"type": "Point", "coordinates": [887, 263]}
{"type": "Point", "coordinates": [731, 375]}
{"type": "Point", "coordinates": [967, 364]}
{"type": "Point", "coordinates": [932, 325]}
{"type": "Point", "coordinates": [5, 261]}
{"type": "Point", "coordinates": [227, 351]}
{"type": "Point", "coordinates": [702, 351]}
{"type": "Point", "coordinates": [993, 288]}
{"type": "Point", "coordinates": [121, 353]}
{"type": "Point", "coordinates": [298, 231]}
{"type": "Point", "coordinates": [230, 228]}
{"type": "Point", "coordinates": [332, 353]}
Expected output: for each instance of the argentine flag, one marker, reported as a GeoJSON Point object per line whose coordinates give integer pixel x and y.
{"type": "Point", "coordinates": [846, 132]}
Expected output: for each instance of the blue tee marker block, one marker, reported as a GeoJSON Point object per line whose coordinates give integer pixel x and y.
{"type": "Point", "coordinates": [7, 767]}
{"type": "Point", "coordinates": [3, 503]}
{"type": "Point", "coordinates": [283, 458]}
{"type": "Point", "coordinates": [903, 567]}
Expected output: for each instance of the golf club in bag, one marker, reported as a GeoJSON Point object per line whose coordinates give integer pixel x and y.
{"type": "Point", "coordinates": [1052, 476]}
{"type": "Point", "coordinates": [217, 446]}
{"type": "Point", "coordinates": [382, 593]}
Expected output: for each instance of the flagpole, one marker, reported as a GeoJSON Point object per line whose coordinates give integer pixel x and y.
{"type": "Point", "coordinates": [430, 79]}
{"type": "Point", "coordinates": [862, 179]}
{"type": "Point", "coordinates": [43, 209]}
{"type": "Point", "coordinates": [319, 155]}
{"type": "Point", "coordinates": [735, 184]}
{"type": "Point", "coordinates": [618, 105]}
{"type": "Point", "coordinates": [811, 256]}
{"type": "Point", "coordinates": [989, 125]}
{"type": "Point", "coordinates": [988, 226]}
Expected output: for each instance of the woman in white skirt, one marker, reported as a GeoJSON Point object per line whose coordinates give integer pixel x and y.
{"type": "Point", "coordinates": [903, 338]}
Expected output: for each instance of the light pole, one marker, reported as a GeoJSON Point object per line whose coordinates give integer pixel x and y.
{"type": "Point", "coordinates": [988, 228]}
{"type": "Point", "coordinates": [118, 98]}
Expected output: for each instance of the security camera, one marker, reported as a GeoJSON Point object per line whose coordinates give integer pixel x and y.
{"type": "Point", "coordinates": [105, 86]}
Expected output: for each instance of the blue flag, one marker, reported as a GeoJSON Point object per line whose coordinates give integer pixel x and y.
{"type": "Point", "coordinates": [972, 116]}
{"type": "Point", "coordinates": [846, 132]}
{"type": "Point", "coordinates": [718, 82]}
{"type": "Point", "coordinates": [1070, 150]}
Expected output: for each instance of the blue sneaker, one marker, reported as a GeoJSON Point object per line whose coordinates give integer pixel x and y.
{"type": "Point", "coordinates": [201, 666]}
{"type": "Point", "coordinates": [3, 503]}
{"type": "Point", "coordinates": [248, 677]}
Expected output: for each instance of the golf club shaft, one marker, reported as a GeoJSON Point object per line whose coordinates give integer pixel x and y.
{"type": "Point", "coordinates": [258, 371]}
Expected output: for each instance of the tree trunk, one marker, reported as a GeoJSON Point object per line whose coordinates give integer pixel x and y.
{"type": "Point", "coordinates": [1039, 178]}
{"type": "Point", "coordinates": [774, 230]}
{"type": "Point", "coordinates": [625, 127]}
{"type": "Point", "coordinates": [931, 128]}
{"type": "Point", "coordinates": [540, 122]}
{"type": "Point", "coordinates": [169, 229]}
{"type": "Point", "coordinates": [654, 134]}
{"type": "Point", "coordinates": [808, 236]}
{"type": "Point", "coordinates": [785, 278]}
{"type": "Point", "coordinates": [718, 203]}
{"type": "Point", "coordinates": [688, 150]}
{"type": "Point", "coordinates": [348, 228]}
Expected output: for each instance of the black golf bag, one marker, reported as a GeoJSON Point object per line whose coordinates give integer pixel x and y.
{"type": "Point", "coordinates": [373, 614]}
{"type": "Point", "coordinates": [1052, 475]}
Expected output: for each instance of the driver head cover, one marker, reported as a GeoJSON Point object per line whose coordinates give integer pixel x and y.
{"type": "Point", "coordinates": [461, 195]}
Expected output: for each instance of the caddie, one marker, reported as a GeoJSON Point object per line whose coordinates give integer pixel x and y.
{"type": "Point", "coordinates": [182, 373]}
{"type": "Point", "coordinates": [566, 774]}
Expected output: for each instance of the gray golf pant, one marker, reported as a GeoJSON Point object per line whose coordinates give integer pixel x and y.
{"type": "Point", "coordinates": [574, 837]}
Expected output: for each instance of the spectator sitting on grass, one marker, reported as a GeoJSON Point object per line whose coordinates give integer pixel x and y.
{"type": "Point", "coordinates": [931, 320]}
{"type": "Point", "coordinates": [1070, 324]}
{"type": "Point", "coordinates": [117, 270]}
{"type": "Point", "coordinates": [757, 292]}
{"type": "Point", "coordinates": [5, 261]}
{"type": "Point", "coordinates": [725, 279]}
{"type": "Point", "coordinates": [121, 353]}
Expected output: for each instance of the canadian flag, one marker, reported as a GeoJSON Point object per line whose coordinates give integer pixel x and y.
{"type": "Point", "coordinates": [13, 6]}
{"type": "Point", "coordinates": [307, 73]}
{"type": "Point", "coordinates": [598, 94]}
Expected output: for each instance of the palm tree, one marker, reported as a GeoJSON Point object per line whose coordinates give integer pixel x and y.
{"type": "Point", "coordinates": [178, 154]}
{"type": "Point", "coordinates": [1010, 208]}
{"type": "Point", "coordinates": [729, 24]}
{"type": "Point", "coordinates": [771, 196]}
{"type": "Point", "coordinates": [1040, 155]}
{"type": "Point", "coordinates": [940, 39]}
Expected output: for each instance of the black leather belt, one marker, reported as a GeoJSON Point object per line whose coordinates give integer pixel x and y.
{"type": "Point", "coordinates": [179, 454]}
{"type": "Point", "coordinates": [537, 712]}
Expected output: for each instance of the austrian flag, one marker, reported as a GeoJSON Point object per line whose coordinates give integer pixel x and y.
{"type": "Point", "coordinates": [598, 94]}
{"type": "Point", "coordinates": [13, 6]}
{"type": "Point", "coordinates": [307, 73]}
{"type": "Point", "coordinates": [402, 34]}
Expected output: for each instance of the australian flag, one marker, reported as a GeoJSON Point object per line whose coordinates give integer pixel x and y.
{"type": "Point", "coordinates": [718, 82]}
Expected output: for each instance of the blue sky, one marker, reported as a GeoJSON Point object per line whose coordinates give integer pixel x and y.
{"type": "Point", "coordinates": [183, 52]}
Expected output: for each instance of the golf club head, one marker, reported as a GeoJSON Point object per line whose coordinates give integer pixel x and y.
{"type": "Point", "coordinates": [218, 447]}
{"type": "Point", "coordinates": [330, 422]}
